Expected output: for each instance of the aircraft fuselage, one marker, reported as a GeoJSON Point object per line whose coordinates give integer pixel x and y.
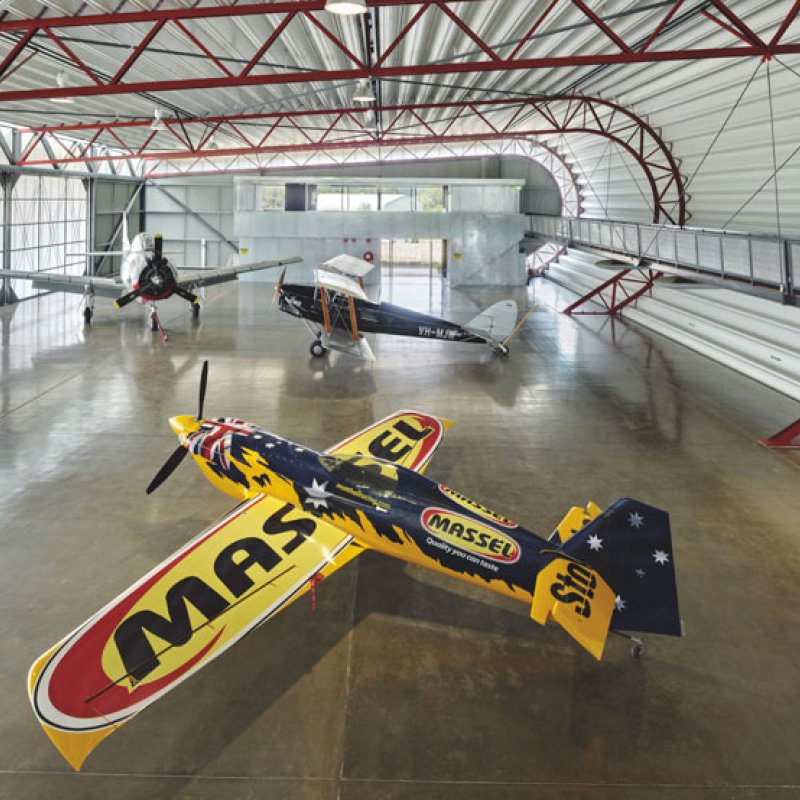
{"type": "Point", "coordinates": [305, 302]}
{"type": "Point", "coordinates": [381, 505]}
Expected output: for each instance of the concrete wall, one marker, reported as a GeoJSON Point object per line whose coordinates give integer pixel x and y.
{"type": "Point", "coordinates": [482, 249]}
{"type": "Point", "coordinates": [486, 242]}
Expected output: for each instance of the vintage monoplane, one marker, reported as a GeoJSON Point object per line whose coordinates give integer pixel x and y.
{"type": "Point", "coordinates": [302, 515]}
{"type": "Point", "coordinates": [146, 274]}
{"type": "Point", "coordinates": [338, 312]}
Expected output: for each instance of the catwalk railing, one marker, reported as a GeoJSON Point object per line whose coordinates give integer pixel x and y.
{"type": "Point", "coordinates": [757, 260]}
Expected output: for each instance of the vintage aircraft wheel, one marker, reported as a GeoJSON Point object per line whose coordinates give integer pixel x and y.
{"type": "Point", "coordinates": [317, 349]}
{"type": "Point", "coordinates": [637, 650]}
{"type": "Point", "coordinates": [153, 323]}
{"type": "Point", "coordinates": [87, 315]}
{"type": "Point", "coordinates": [195, 311]}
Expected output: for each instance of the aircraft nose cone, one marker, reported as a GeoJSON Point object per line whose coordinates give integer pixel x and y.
{"type": "Point", "coordinates": [184, 425]}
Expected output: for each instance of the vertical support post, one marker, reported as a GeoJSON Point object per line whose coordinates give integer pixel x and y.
{"type": "Point", "coordinates": [7, 181]}
{"type": "Point", "coordinates": [750, 257]}
{"type": "Point", "coordinates": [789, 298]}
{"type": "Point", "coordinates": [90, 185]}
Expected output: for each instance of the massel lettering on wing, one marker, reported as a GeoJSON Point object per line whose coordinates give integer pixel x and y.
{"type": "Point", "coordinates": [473, 505]}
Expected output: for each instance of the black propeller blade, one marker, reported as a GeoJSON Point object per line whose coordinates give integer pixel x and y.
{"type": "Point", "coordinates": [170, 465]}
{"type": "Point", "coordinates": [177, 455]}
{"type": "Point", "coordinates": [158, 246]}
{"type": "Point", "coordinates": [185, 294]}
{"type": "Point", "coordinates": [121, 302]}
{"type": "Point", "coordinates": [203, 384]}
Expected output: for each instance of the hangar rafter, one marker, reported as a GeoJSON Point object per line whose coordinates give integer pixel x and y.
{"type": "Point", "coordinates": [514, 52]}
{"type": "Point", "coordinates": [344, 130]}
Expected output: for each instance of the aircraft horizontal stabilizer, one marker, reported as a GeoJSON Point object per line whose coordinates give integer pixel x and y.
{"type": "Point", "coordinates": [578, 599]}
{"type": "Point", "coordinates": [496, 322]}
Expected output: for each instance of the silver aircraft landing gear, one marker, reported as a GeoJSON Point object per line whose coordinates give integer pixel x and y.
{"type": "Point", "coordinates": [317, 349]}
{"type": "Point", "coordinates": [88, 308]}
{"type": "Point", "coordinates": [155, 323]}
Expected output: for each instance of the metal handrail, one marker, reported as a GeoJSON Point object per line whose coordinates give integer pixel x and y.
{"type": "Point", "coordinates": [760, 260]}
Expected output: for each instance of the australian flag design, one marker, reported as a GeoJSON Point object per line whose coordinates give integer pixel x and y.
{"type": "Point", "coordinates": [630, 545]}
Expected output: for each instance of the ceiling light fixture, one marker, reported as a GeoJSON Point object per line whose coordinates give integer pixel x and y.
{"type": "Point", "coordinates": [346, 6]}
{"type": "Point", "coordinates": [158, 122]}
{"type": "Point", "coordinates": [63, 82]}
{"type": "Point", "coordinates": [363, 93]}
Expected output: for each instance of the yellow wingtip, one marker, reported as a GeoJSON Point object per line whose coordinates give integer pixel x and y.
{"type": "Point", "coordinates": [74, 746]}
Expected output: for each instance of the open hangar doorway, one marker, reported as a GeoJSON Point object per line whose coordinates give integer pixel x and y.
{"type": "Point", "coordinates": [414, 272]}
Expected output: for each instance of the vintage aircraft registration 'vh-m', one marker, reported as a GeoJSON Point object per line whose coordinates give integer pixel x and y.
{"type": "Point", "coordinates": [338, 312]}
{"type": "Point", "coordinates": [304, 514]}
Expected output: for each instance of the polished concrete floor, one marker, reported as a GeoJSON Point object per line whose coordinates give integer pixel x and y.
{"type": "Point", "coordinates": [405, 684]}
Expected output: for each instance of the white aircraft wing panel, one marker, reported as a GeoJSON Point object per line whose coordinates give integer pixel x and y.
{"type": "Point", "coordinates": [76, 284]}
{"type": "Point", "coordinates": [349, 265]}
{"type": "Point", "coordinates": [340, 284]}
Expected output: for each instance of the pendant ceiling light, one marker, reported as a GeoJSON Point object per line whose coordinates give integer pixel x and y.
{"type": "Point", "coordinates": [363, 93]}
{"type": "Point", "coordinates": [346, 6]}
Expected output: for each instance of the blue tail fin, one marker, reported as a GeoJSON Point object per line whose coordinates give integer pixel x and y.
{"type": "Point", "coordinates": [630, 545]}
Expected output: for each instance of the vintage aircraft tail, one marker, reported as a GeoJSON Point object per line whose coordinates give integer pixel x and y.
{"type": "Point", "coordinates": [615, 573]}
{"type": "Point", "coordinates": [496, 322]}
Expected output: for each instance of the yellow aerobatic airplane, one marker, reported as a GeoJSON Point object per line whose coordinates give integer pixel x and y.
{"type": "Point", "coordinates": [304, 514]}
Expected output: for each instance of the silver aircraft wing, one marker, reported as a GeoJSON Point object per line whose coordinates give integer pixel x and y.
{"type": "Point", "coordinates": [196, 278]}
{"type": "Point", "coordinates": [76, 284]}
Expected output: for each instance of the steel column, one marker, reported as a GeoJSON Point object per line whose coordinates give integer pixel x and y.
{"type": "Point", "coordinates": [7, 181]}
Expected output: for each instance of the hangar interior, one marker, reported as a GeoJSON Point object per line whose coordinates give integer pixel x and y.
{"type": "Point", "coordinates": [626, 172]}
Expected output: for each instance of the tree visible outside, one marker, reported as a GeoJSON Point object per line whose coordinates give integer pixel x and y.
{"type": "Point", "coordinates": [430, 198]}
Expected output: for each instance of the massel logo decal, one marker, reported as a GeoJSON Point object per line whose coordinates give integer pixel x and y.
{"type": "Point", "coordinates": [187, 611]}
{"type": "Point", "coordinates": [476, 507]}
{"type": "Point", "coordinates": [406, 437]}
{"type": "Point", "coordinates": [468, 534]}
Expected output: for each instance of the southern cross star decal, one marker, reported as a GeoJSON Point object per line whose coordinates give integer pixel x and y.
{"type": "Point", "coordinates": [619, 603]}
{"type": "Point", "coordinates": [660, 557]}
{"type": "Point", "coordinates": [595, 542]}
{"type": "Point", "coordinates": [316, 494]}
{"type": "Point", "coordinates": [640, 573]}
{"type": "Point", "coordinates": [635, 520]}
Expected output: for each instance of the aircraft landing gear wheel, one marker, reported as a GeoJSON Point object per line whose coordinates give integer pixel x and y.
{"type": "Point", "coordinates": [87, 315]}
{"type": "Point", "coordinates": [153, 323]}
{"type": "Point", "coordinates": [637, 649]}
{"type": "Point", "coordinates": [317, 349]}
{"type": "Point", "coordinates": [195, 311]}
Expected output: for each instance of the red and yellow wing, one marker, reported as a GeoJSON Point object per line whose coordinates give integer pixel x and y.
{"type": "Point", "coordinates": [406, 438]}
{"type": "Point", "coordinates": [201, 600]}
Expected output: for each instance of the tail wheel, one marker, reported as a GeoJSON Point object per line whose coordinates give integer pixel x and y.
{"type": "Point", "coordinates": [317, 349]}
{"type": "Point", "coordinates": [87, 315]}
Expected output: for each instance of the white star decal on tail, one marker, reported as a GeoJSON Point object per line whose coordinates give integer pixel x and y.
{"type": "Point", "coordinates": [635, 520]}
{"type": "Point", "coordinates": [619, 603]}
{"type": "Point", "coordinates": [595, 542]}
{"type": "Point", "coordinates": [317, 494]}
{"type": "Point", "coordinates": [640, 573]}
{"type": "Point", "coordinates": [660, 557]}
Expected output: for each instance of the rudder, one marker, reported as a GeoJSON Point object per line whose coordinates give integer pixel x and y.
{"type": "Point", "coordinates": [630, 546]}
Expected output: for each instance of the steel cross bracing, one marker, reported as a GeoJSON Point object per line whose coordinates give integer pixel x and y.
{"type": "Point", "coordinates": [517, 52]}
{"type": "Point", "coordinates": [344, 129]}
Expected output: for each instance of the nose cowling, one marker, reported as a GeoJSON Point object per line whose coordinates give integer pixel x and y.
{"type": "Point", "coordinates": [184, 426]}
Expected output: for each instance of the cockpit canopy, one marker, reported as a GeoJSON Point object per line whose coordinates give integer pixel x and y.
{"type": "Point", "coordinates": [369, 475]}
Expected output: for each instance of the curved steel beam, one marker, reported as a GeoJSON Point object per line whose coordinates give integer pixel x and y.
{"type": "Point", "coordinates": [342, 129]}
